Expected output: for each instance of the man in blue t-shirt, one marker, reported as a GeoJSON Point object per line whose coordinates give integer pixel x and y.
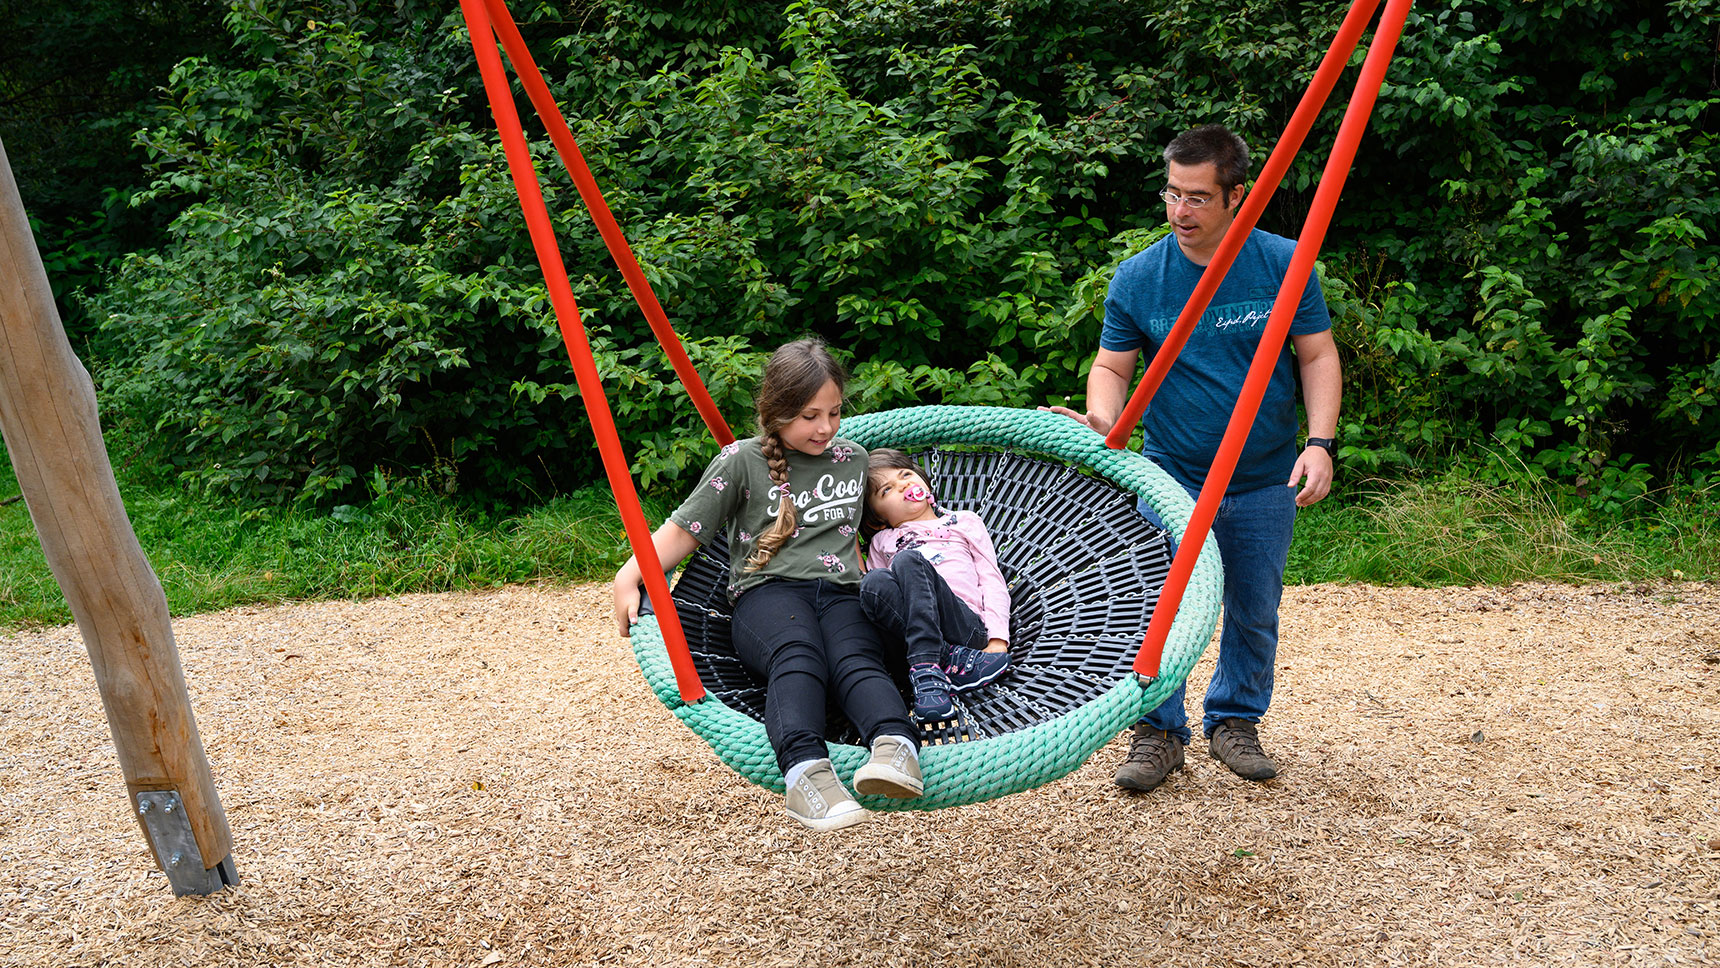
{"type": "Point", "coordinates": [1207, 169]}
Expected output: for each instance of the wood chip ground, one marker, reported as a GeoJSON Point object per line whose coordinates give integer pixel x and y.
{"type": "Point", "coordinates": [1470, 776]}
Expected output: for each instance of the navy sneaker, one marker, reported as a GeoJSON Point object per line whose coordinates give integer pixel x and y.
{"type": "Point", "coordinates": [932, 702]}
{"type": "Point", "coordinates": [971, 668]}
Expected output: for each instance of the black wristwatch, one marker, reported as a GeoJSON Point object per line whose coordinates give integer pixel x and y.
{"type": "Point", "coordinates": [1327, 443]}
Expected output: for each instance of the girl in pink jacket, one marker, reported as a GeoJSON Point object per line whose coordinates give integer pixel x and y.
{"type": "Point", "coordinates": [932, 580]}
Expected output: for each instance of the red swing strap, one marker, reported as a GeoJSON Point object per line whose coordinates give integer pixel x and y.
{"type": "Point", "coordinates": [502, 22]}
{"type": "Point", "coordinates": [484, 34]}
{"type": "Point", "coordinates": [1289, 294]}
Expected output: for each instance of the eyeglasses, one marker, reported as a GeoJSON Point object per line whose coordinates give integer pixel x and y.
{"type": "Point", "coordinates": [1192, 201]}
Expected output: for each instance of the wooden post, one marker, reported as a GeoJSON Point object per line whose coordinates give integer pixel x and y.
{"type": "Point", "coordinates": [48, 418]}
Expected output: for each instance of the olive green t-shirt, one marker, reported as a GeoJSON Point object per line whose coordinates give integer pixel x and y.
{"type": "Point", "coordinates": [829, 493]}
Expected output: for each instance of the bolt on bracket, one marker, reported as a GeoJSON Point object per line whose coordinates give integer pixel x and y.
{"type": "Point", "coordinates": [169, 830]}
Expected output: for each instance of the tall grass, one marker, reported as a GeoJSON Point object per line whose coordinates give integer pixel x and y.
{"type": "Point", "coordinates": [1462, 532]}
{"type": "Point", "coordinates": [28, 593]}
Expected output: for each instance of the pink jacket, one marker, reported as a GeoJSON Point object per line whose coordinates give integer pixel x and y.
{"type": "Point", "coordinates": [958, 545]}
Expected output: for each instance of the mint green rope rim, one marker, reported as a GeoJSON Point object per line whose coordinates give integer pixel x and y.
{"type": "Point", "coordinates": [984, 769]}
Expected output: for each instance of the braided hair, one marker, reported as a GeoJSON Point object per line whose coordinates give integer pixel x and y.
{"type": "Point", "coordinates": [792, 377]}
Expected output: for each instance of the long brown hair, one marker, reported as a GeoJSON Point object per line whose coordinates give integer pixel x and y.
{"type": "Point", "coordinates": [792, 377]}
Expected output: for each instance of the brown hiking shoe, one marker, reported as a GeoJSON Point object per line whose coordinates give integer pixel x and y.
{"type": "Point", "coordinates": [1236, 744]}
{"type": "Point", "coordinates": [1153, 754]}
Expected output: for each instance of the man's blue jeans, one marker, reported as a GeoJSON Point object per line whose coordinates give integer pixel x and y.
{"type": "Point", "coordinates": [1253, 532]}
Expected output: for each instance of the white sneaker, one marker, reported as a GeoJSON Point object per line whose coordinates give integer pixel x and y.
{"type": "Point", "coordinates": [820, 801]}
{"type": "Point", "coordinates": [893, 770]}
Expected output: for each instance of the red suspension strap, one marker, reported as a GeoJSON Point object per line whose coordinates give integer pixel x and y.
{"type": "Point", "coordinates": [615, 465]}
{"type": "Point", "coordinates": [1277, 328]}
{"type": "Point", "coordinates": [502, 22]}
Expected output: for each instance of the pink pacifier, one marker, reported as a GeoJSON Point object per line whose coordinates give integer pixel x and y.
{"type": "Point", "coordinates": [916, 493]}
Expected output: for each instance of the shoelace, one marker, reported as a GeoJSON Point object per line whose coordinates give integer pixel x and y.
{"type": "Point", "coordinates": [1147, 748]}
{"type": "Point", "coordinates": [1243, 742]}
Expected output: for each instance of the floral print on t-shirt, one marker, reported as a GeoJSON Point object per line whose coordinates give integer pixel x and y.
{"type": "Point", "coordinates": [828, 492]}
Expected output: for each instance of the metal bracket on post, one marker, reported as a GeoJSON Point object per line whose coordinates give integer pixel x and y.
{"type": "Point", "coordinates": [169, 829]}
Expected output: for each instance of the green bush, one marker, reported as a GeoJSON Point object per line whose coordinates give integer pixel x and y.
{"type": "Point", "coordinates": [76, 80]}
{"type": "Point", "coordinates": [1521, 264]}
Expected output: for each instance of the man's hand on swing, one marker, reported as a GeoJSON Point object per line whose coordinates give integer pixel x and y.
{"type": "Point", "coordinates": [1084, 419]}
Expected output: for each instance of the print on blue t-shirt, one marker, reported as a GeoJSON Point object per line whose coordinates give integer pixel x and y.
{"type": "Point", "coordinates": [1189, 413]}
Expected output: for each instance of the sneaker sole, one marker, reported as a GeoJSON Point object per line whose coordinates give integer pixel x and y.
{"type": "Point", "coordinates": [841, 820]}
{"type": "Point", "coordinates": [988, 680]}
{"type": "Point", "coordinates": [880, 781]}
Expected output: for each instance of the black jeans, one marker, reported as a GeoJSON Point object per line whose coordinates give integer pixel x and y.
{"type": "Point", "coordinates": [912, 601]}
{"type": "Point", "coordinates": [809, 640]}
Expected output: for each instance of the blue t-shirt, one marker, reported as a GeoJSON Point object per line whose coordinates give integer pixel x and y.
{"type": "Point", "coordinates": [1186, 420]}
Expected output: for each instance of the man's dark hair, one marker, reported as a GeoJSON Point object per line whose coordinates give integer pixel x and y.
{"type": "Point", "coordinates": [1213, 144]}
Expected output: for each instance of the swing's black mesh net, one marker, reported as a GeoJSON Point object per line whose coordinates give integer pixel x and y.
{"type": "Point", "coordinates": [1084, 572]}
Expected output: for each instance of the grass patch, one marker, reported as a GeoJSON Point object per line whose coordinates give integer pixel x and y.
{"type": "Point", "coordinates": [28, 593]}
{"type": "Point", "coordinates": [211, 556]}
{"type": "Point", "coordinates": [1452, 532]}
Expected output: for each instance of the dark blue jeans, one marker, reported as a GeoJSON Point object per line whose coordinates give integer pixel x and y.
{"type": "Point", "coordinates": [1253, 531]}
{"type": "Point", "coordinates": [912, 601]}
{"type": "Point", "coordinates": [809, 640]}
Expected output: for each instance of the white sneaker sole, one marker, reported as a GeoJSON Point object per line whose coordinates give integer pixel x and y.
{"type": "Point", "coordinates": [878, 780]}
{"type": "Point", "coordinates": [847, 818]}
{"type": "Point", "coordinates": [988, 680]}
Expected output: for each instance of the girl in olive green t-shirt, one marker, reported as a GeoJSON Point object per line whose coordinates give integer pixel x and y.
{"type": "Point", "coordinates": [790, 501]}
